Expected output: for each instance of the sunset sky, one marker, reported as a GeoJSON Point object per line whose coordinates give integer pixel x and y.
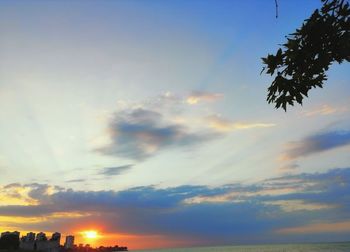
{"type": "Point", "coordinates": [147, 122]}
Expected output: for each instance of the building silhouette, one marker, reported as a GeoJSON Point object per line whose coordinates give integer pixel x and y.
{"type": "Point", "coordinates": [56, 237]}
{"type": "Point", "coordinates": [30, 237]}
{"type": "Point", "coordinates": [69, 244]}
{"type": "Point", "coordinates": [41, 237]}
{"type": "Point", "coordinates": [9, 240]}
{"type": "Point", "coordinates": [39, 242]}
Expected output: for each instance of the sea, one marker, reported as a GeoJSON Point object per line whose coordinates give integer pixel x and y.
{"type": "Point", "coordinates": [314, 247]}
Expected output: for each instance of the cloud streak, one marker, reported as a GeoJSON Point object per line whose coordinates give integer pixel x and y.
{"type": "Point", "coordinates": [324, 110]}
{"type": "Point", "coordinates": [75, 180]}
{"type": "Point", "coordinates": [316, 143]}
{"type": "Point", "coordinates": [338, 227]}
{"type": "Point", "coordinates": [200, 96]}
{"type": "Point", "coordinates": [114, 171]}
{"type": "Point", "coordinates": [221, 124]}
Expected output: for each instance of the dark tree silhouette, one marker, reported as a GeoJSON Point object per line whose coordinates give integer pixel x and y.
{"type": "Point", "coordinates": [302, 62]}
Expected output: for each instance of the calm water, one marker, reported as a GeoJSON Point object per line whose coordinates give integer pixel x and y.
{"type": "Point", "coordinates": [322, 247]}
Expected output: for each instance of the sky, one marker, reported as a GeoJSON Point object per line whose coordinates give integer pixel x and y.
{"type": "Point", "coordinates": [147, 122]}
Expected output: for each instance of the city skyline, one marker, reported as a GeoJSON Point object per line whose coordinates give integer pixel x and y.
{"type": "Point", "coordinates": [13, 240]}
{"type": "Point", "coordinates": [146, 122]}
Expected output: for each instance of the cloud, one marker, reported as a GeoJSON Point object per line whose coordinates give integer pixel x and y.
{"type": "Point", "coordinates": [200, 96]}
{"type": "Point", "coordinates": [299, 205]}
{"type": "Point", "coordinates": [13, 185]}
{"type": "Point", "coordinates": [169, 99]}
{"type": "Point", "coordinates": [75, 180]}
{"type": "Point", "coordinates": [324, 227]}
{"type": "Point", "coordinates": [316, 143]}
{"type": "Point", "coordinates": [289, 167]}
{"type": "Point", "coordinates": [245, 193]}
{"type": "Point", "coordinates": [140, 133]}
{"type": "Point", "coordinates": [113, 171]}
{"type": "Point", "coordinates": [324, 110]}
{"type": "Point", "coordinates": [15, 194]}
{"type": "Point", "coordinates": [221, 124]}
{"type": "Point", "coordinates": [311, 191]}
{"type": "Point", "coordinates": [268, 210]}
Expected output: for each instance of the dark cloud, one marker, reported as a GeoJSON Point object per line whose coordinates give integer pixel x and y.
{"type": "Point", "coordinates": [289, 167]}
{"type": "Point", "coordinates": [38, 191]}
{"type": "Point", "coordinates": [13, 185]}
{"type": "Point", "coordinates": [113, 171]}
{"type": "Point", "coordinates": [75, 180]}
{"type": "Point", "coordinates": [223, 214]}
{"type": "Point", "coordinates": [28, 211]}
{"type": "Point", "coordinates": [140, 133]}
{"type": "Point", "coordinates": [317, 143]}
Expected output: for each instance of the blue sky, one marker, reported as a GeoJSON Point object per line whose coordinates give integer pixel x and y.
{"type": "Point", "coordinates": [155, 113]}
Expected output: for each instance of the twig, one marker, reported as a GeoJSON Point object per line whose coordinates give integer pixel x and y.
{"type": "Point", "coordinates": [276, 3]}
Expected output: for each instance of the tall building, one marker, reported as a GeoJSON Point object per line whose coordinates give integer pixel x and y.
{"type": "Point", "coordinates": [10, 240]}
{"type": "Point", "coordinates": [15, 233]}
{"type": "Point", "coordinates": [3, 234]}
{"type": "Point", "coordinates": [41, 237]}
{"type": "Point", "coordinates": [30, 242]}
{"type": "Point", "coordinates": [56, 237]}
{"type": "Point", "coordinates": [30, 237]}
{"type": "Point", "coordinates": [69, 244]}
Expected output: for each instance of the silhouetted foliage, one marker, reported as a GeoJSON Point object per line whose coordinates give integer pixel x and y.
{"type": "Point", "coordinates": [323, 38]}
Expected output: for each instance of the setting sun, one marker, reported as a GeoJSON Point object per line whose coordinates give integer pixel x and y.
{"type": "Point", "coordinates": [91, 234]}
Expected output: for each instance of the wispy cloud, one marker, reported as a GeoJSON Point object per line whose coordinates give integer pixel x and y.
{"type": "Point", "coordinates": [113, 171]}
{"type": "Point", "coordinates": [323, 227]}
{"type": "Point", "coordinates": [244, 193]}
{"type": "Point", "coordinates": [75, 180]}
{"type": "Point", "coordinates": [300, 205]}
{"type": "Point", "coordinates": [201, 96]}
{"type": "Point", "coordinates": [324, 110]}
{"type": "Point", "coordinates": [316, 143]}
{"type": "Point", "coordinates": [221, 124]}
{"type": "Point", "coordinates": [288, 167]}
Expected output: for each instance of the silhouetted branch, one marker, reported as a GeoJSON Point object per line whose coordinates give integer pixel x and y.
{"type": "Point", "coordinates": [276, 3]}
{"type": "Point", "coordinates": [302, 62]}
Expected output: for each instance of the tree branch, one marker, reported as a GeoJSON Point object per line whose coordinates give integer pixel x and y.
{"type": "Point", "coordinates": [276, 4]}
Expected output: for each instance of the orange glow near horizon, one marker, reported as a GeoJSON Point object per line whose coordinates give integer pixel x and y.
{"type": "Point", "coordinates": [96, 237]}
{"type": "Point", "coordinates": [90, 234]}
{"type": "Point", "coordinates": [133, 241]}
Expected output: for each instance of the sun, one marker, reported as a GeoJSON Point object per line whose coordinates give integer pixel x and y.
{"type": "Point", "coordinates": [90, 234]}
